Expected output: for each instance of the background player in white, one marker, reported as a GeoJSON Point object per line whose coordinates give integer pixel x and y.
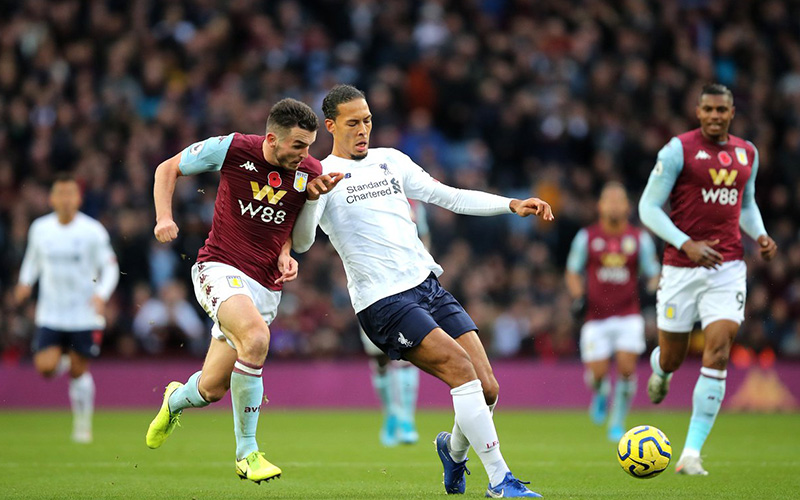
{"type": "Point", "coordinates": [70, 255]}
{"type": "Point", "coordinates": [396, 380]}
{"type": "Point", "coordinates": [392, 279]}
{"type": "Point", "coordinates": [709, 178]}
{"type": "Point", "coordinates": [241, 268]}
{"type": "Point", "coordinates": [603, 267]}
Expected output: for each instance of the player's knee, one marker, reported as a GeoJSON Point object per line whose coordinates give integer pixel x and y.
{"type": "Point", "coordinates": [46, 371]}
{"type": "Point", "coordinates": [491, 389]}
{"type": "Point", "coordinates": [453, 367]}
{"type": "Point", "coordinates": [717, 357]}
{"type": "Point", "coordinates": [670, 363]}
{"type": "Point", "coordinates": [256, 343]}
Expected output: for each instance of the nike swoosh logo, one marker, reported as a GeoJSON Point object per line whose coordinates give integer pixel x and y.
{"type": "Point", "coordinates": [497, 495]}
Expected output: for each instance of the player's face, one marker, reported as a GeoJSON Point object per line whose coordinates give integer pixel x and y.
{"type": "Point", "coordinates": [291, 149]}
{"type": "Point", "coordinates": [613, 205]}
{"type": "Point", "coordinates": [351, 129]}
{"type": "Point", "coordinates": [65, 198]}
{"type": "Point", "coordinates": [715, 113]}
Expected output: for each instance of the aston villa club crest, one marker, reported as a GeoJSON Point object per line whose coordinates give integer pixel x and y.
{"type": "Point", "coordinates": [628, 245]}
{"type": "Point", "coordinates": [741, 156]}
{"type": "Point", "coordinates": [300, 181]}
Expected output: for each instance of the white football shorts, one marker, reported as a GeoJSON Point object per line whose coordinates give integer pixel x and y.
{"type": "Point", "coordinates": [214, 283]}
{"type": "Point", "coordinates": [690, 294]}
{"type": "Point", "coordinates": [601, 338]}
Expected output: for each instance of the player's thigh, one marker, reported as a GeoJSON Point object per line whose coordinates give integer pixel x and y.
{"type": "Point", "coordinates": [472, 344]}
{"type": "Point", "coordinates": [595, 342]}
{"type": "Point", "coordinates": [232, 299]}
{"type": "Point", "coordinates": [46, 360]}
{"type": "Point", "coordinates": [441, 356]}
{"type": "Point", "coordinates": [215, 379]}
{"type": "Point", "coordinates": [677, 298]}
{"type": "Point", "coordinates": [78, 364]}
{"type": "Point", "coordinates": [241, 321]}
{"type": "Point", "coordinates": [598, 369]}
{"type": "Point", "coordinates": [725, 294]}
{"type": "Point", "coordinates": [626, 362]}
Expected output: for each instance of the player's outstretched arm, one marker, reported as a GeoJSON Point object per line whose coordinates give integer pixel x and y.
{"type": "Point", "coordinates": [323, 184]}
{"type": "Point", "coordinates": [166, 176]}
{"type": "Point", "coordinates": [305, 227]}
{"type": "Point", "coordinates": [532, 206]}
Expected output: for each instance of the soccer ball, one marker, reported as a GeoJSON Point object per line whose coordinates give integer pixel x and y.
{"type": "Point", "coordinates": [644, 452]}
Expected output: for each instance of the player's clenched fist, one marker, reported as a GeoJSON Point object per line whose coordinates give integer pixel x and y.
{"type": "Point", "coordinates": [166, 230]}
{"type": "Point", "coordinates": [323, 184]}
{"type": "Point", "coordinates": [532, 206]}
{"type": "Point", "coordinates": [768, 247]}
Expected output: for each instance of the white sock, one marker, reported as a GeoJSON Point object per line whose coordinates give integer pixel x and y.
{"type": "Point", "coordinates": [458, 444]}
{"type": "Point", "coordinates": [81, 396]}
{"type": "Point", "coordinates": [475, 421]}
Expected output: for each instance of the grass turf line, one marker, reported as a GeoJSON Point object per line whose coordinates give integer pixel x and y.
{"type": "Point", "coordinates": [336, 455]}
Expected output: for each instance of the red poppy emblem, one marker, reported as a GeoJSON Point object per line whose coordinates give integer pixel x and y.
{"type": "Point", "coordinates": [724, 158]}
{"type": "Point", "coordinates": [274, 178]}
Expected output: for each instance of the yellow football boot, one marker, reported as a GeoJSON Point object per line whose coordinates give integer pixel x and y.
{"type": "Point", "coordinates": [164, 422]}
{"type": "Point", "coordinates": [257, 468]}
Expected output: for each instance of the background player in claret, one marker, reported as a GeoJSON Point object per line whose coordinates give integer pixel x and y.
{"type": "Point", "coordinates": [708, 176]}
{"type": "Point", "coordinates": [69, 254]}
{"type": "Point", "coordinates": [393, 282]}
{"type": "Point", "coordinates": [603, 269]}
{"type": "Point", "coordinates": [241, 268]}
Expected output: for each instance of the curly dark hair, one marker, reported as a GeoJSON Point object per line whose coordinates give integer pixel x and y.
{"type": "Point", "coordinates": [338, 95]}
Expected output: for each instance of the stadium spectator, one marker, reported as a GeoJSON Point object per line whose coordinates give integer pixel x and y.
{"type": "Point", "coordinates": [571, 93]}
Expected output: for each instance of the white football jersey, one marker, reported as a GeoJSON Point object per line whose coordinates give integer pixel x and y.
{"type": "Point", "coordinates": [72, 262]}
{"type": "Point", "coordinates": [367, 218]}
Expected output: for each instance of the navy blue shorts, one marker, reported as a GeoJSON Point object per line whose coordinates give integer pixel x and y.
{"type": "Point", "coordinates": [400, 322]}
{"type": "Point", "coordinates": [84, 342]}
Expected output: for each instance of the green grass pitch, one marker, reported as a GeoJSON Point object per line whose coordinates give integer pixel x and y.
{"type": "Point", "coordinates": [336, 455]}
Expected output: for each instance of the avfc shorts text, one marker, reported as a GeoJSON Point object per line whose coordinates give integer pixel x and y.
{"type": "Point", "coordinates": [400, 321]}
{"type": "Point", "coordinates": [214, 283]}
{"type": "Point", "coordinates": [690, 294]}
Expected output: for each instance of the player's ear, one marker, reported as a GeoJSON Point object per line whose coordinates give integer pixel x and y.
{"type": "Point", "coordinates": [272, 139]}
{"type": "Point", "coordinates": [330, 125]}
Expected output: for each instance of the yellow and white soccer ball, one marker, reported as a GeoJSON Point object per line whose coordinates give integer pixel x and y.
{"type": "Point", "coordinates": [644, 452]}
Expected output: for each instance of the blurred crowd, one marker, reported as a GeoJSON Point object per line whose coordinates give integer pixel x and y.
{"type": "Point", "coordinates": [551, 98]}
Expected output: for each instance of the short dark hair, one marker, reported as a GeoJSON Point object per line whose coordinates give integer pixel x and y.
{"type": "Point", "coordinates": [63, 177]}
{"type": "Point", "coordinates": [289, 113]}
{"type": "Point", "coordinates": [715, 89]}
{"type": "Point", "coordinates": [613, 185]}
{"type": "Point", "coordinates": [339, 94]}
